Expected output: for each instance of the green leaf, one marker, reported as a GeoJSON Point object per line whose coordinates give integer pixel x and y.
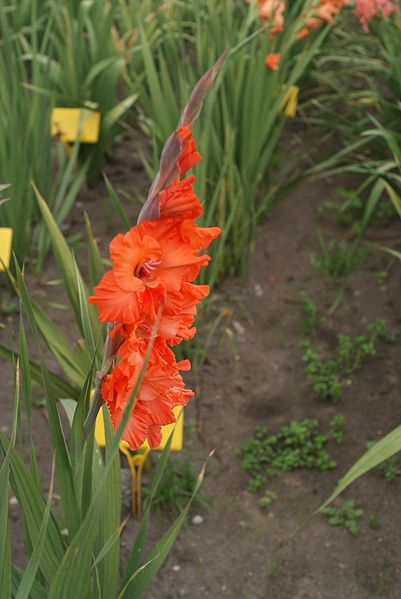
{"type": "Point", "coordinates": [141, 579]}
{"type": "Point", "coordinates": [108, 568]}
{"type": "Point", "coordinates": [5, 545]}
{"type": "Point", "coordinates": [25, 369]}
{"type": "Point", "coordinates": [84, 314]}
{"type": "Point", "coordinates": [78, 418]}
{"type": "Point", "coordinates": [63, 465]}
{"type": "Point", "coordinates": [135, 558]}
{"type": "Point", "coordinates": [115, 200]}
{"type": "Point", "coordinates": [73, 575]}
{"type": "Point", "coordinates": [33, 507]}
{"type": "Point", "coordinates": [63, 257]}
{"type": "Point", "coordinates": [28, 578]}
{"type": "Point", "coordinates": [380, 452]}
{"type": "Point", "coordinates": [394, 197]}
{"type": "Point", "coordinates": [96, 268]}
{"type": "Point", "coordinates": [60, 386]}
{"type": "Point", "coordinates": [37, 591]}
{"type": "Point", "coordinates": [118, 110]}
{"type": "Point", "coordinates": [72, 578]}
{"type": "Point", "coordinates": [74, 365]}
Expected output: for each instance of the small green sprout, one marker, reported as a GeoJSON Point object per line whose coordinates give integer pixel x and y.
{"type": "Point", "coordinates": [267, 499]}
{"type": "Point", "coordinates": [346, 515]}
{"type": "Point", "coordinates": [337, 428]}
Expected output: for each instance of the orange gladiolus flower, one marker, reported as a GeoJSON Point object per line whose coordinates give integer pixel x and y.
{"type": "Point", "coordinates": [367, 9]}
{"type": "Point", "coordinates": [321, 14]}
{"type": "Point", "coordinates": [272, 61]}
{"type": "Point", "coordinates": [151, 260]}
{"type": "Point", "coordinates": [149, 292]}
{"type": "Point", "coordinates": [161, 390]}
{"type": "Point", "coordinates": [272, 9]}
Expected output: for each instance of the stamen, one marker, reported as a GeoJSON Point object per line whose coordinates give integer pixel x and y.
{"type": "Point", "coordinates": [145, 270]}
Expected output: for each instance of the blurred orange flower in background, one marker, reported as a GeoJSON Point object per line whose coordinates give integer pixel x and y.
{"type": "Point", "coordinates": [272, 61]}
{"type": "Point", "coordinates": [367, 9]}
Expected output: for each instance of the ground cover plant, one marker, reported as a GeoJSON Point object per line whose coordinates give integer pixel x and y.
{"type": "Point", "coordinates": [311, 318]}
{"type": "Point", "coordinates": [330, 375]}
{"type": "Point", "coordinates": [298, 445]}
{"type": "Point", "coordinates": [337, 428]}
{"type": "Point", "coordinates": [346, 515]}
{"type": "Point", "coordinates": [176, 488]}
{"type": "Point", "coordinates": [337, 258]}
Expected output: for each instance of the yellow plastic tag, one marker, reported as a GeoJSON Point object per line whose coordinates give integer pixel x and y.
{"type": "Point", "coordinates": [137, 460]}
{"type": "Point", "coordinates": [6, 236]}
{"type": "Point", "coordinates": [67, 123]}
{"type": "Point", "coordinates": [176, 442]}
{"type": "Point", "coordinates": [289, 103]}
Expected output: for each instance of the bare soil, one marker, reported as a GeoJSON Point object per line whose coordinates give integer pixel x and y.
{"type": "Point", "coordinates": [241, 550]}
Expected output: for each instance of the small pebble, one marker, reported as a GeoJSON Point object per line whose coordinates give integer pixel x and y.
{"type": "Point", "coordinates": [13, 500]}
{"type": "Point", "coordinates": [239, 328]}
{"type": "Point", "coordinates": [176, 568]}
{"type": "Point", "coordinates": [258, 290]}
{"type": "Point", "coordinates": [198, 519]}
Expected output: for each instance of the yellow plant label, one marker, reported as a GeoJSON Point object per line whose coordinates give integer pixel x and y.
{"type": "Point", "coordinates": [176, 442]}
{"type": "Point", "coordinates": [69, 123]}
{"type": "Point", "coordinates": [137, 460]}
{"type": "Point", "coordinates": [6, 236]}
{"type": "Point", "coordinates": [178, 436]}
{"type": "Point", "coordinates": [289, 103]}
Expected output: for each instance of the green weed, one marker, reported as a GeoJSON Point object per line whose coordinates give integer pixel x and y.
{"type": "Point", "coordinates": [346, 211]}
{"type": "Point", "coordinates": [298, 445]}
{"type": "Point", "coordinates": [267, 499]}
{"type": "Point", "coordinates": [337, 258]}
{"type": "Point", "coordinates": [383, 582]}
{"type": "Point", "coordinates": [337, 428]}
{"type": "Point", "coordinates": [271, 569]}
{"type": "Point", "coordinates": [346, 515]}
{"type": "Point", "coordinates": [311, 318]}
{"type": "Point", "coordinates": [350, 208]}
{"type": "Point", "coordinates": [328, 376]}
{"type": "Point", "coordinates": [176, 487]}
{"type": "Point", "coordinates": [381, 277]}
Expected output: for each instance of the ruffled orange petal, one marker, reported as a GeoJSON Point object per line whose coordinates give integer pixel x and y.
{"type": "Point", "coordinates": [198, 237]}
{"type": "Point", "coordinates": [188, 156]}
{"type": "Point", "coordinates": [113, 303]}
{"type": "Point", "coordinates": [179, 200]}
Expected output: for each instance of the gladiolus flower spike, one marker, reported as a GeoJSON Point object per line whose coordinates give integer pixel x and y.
{"type": "Point", "coordinates": [149, 297]}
